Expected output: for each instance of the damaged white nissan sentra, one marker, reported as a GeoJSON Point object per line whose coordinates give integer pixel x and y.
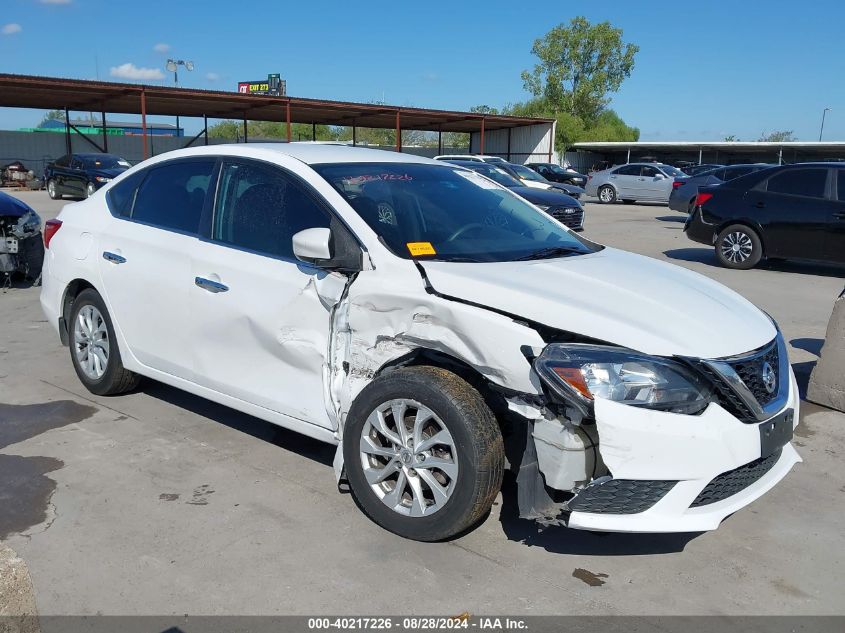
{"type": "Point", "coordinates": [415, 313]}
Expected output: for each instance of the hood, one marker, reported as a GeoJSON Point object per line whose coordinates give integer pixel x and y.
{"type": "Point", "coordinates": [550, 197]}
{"type": "Point", "coordinates": [112, 172]}
{"type": "Point", "coordinates": [12, 207]}
{"type": "Point", "coordinates": [568, 188]}
{"type": "Point", "coordinates": [615, 296]}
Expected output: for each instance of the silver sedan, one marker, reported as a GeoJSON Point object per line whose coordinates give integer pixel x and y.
{"type": "Point", "coordinates": [633, 181]}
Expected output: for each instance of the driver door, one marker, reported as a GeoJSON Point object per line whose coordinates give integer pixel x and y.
{"type": "Point", "coordinates": [262, 317]}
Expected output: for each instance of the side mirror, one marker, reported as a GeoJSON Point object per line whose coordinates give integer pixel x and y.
{"type": "Point", "coordinates": [313, 245]}
{"type": "Point", "coordinates": [660, 177]}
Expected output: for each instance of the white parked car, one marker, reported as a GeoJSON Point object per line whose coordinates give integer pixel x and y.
{"type": "Point", "coordinates": [481, 158]}
{"type": "Point", "coordinates": [633, 181]}
{"type": "Point", "coordinates": [414, 313]}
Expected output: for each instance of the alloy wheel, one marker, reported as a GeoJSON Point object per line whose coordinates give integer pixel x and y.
{"type": "Point", "coordinates": [606, 194]}
{"type": "Point", "coordinates": [737, 247]}
{"type": "Point", "coordinates": [409, 458]}
{"type": "Point", "coordinates": [91, 342]}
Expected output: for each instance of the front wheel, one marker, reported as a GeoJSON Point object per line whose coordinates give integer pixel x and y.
{"type": "Point", "coordinates": [93, 347]}
{"type": "Point", "coordinates": [607, 194]}
{"type": "Point", "coordinates": [738, 247]}
{"type": "Point", "coordinates": [423, 453]}
{"type": "Point", "coordinates": [53, 190]}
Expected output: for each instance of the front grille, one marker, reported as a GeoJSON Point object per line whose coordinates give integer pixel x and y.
{"type": "Point", "coordinates": [573, 217]}
{"type": "Point", "coordinates": [728, 399]}
{"type": "Point", "coordinates": [751, 372]}
{"type": "Point", "coordinates": [620, 496]}
{"type": "Point", "coordinates": [730, 483]}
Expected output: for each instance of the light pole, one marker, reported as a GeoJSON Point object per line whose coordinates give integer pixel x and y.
{"type": "Point", "coordinates": [821, 131]}
{"type": "Point", "coordinates": [173, 66]}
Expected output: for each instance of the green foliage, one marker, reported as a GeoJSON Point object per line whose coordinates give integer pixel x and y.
{"type": "Point", "coordinates": [271, 130]}
{"type": "Point", "coordinates": [731, 139]}
{"type": "Point", "coordinates": [779, 136]}
{"type": "Point", "coordinates": [52, 115]}
{"type": "Point", "coordinates": [579, 64]}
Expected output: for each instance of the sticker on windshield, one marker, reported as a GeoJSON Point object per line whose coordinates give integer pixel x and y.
{"type": "Point", "coordinates": [479, 180]}
{"type": "Point", "coordinates": [364, 178]}
{"type": "Point", "coordinates": [420, 248]}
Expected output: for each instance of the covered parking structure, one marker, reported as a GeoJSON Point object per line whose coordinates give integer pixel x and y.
{"type": "Point", "coordinates": [514, 138]}
{"type": "Point", "coordinates": [589, 155]}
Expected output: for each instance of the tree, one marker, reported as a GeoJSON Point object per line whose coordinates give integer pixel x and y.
{"type": "Point", "coordinates": [579, 65]}
{"type": "Point", "coordinates": [731, 139]}
{"type": "Point", "coordinates": [779, 136]}
{"type": "Point", "coordinates": [484, 109]}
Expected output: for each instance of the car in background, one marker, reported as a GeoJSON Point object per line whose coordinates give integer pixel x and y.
{"type": "Point", "coordinates": [694, 170]}
{"type": "Point", "coordinates": [633, 181]}
{"type": "Point", "coordinates": [529, 178]}
{"type": "Point", "coordinates": [481, 158]}
{"type": "Point", "coordinates": [684, 190]}
{"type": "Point", "coordinates": [556, 173]}
{"type": "Point", "coordinates": [563, 208]}
{"type": "Point", "coordinates": [786, 212]}
{"type": "Point", "coordinates": [21, 248]}
{"type": "Point", "coordinates": [80, 175]}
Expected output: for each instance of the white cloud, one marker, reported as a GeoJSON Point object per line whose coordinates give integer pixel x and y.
{"type": "Point", "coordinates": [55, 1]}
{"type": "Point", "coordinates": [11, 28]}
{"type": "Point", "coordinates": [212, 76]}
{"type": "Point", "coordinates": [131, 71]}
{"type": "Point", "coordinates": [161, 47]}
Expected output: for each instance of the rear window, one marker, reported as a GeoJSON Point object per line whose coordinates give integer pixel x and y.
{"type": "Point", "coordinates": [799, 182]}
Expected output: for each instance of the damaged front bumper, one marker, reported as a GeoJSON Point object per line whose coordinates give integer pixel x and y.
{"type": "Point", "coordinates": [677, 473]}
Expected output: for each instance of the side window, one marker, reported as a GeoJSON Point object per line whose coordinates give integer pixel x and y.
{"type": "Point", "coordinates": [650, 172]}
{"type": "Point", "coordinates": [840, 185]}
{"type": "Point", "coordinates": [121, 196]}
{"type": "Point", "coordinates": [730, 174]}
{"type": "Point", "coordinates": [64, 161]}
{"type": "Point", "coordinates": [172, 195]}
{"type": "Point", "coordinates": [260, 208]}
{"type": "Point", "coordinates": [628, 170]}
{"type": "Point", "coordinates": [799, 182]}
{"type": "Point", "coordinates": [75, 163]}
{"type": "Point", "coordinates": [721, 174]}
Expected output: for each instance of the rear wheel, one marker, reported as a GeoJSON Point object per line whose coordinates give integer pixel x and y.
{"type": "Point", "coordinates": [607, 194]}
{"type": "Point", "coordinates": [53, 190]}
{"type": "Point", "coordinates": [423, 453]}
{"type": "Point", "coordinates": [738, 247]}
{"type": "Point", "coordinates": [93, 347]}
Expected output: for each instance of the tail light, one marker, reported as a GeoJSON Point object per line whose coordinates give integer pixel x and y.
{"type": "Point", "coordinates": [702, 198]}
{"type": "Point", "coordinates": [51, 227]}
{"type": "Point", "coordinates": [676, 184]}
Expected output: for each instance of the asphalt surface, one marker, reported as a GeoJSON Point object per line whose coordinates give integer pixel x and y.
{"type": "Point", "coordinates": [159, 502]}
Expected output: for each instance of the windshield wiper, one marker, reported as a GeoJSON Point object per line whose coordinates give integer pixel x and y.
{"type": "Point", "coordinates": [549, 252]}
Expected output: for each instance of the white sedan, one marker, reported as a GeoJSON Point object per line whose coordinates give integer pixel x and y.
{"type": "Point", "coordinates": [414, 313]}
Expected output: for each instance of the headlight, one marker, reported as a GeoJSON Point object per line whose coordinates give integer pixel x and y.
{"type": "Point", "coordinates": [27, 225]}
{"type": "Point", "coordinates": [102, 179]}
{"type": "Point", "coordinates": [580, 374]}
{"type": "Point", "coordinates": [543, 207]}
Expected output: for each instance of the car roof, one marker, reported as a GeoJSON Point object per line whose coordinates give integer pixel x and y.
{"type": "Point", "coordinates": [93, 154]}
{"type": "Point", "coordinates": [308, 153]}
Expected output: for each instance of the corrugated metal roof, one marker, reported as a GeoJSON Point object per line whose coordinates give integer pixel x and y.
{"type": "Point", "coordinates": [620, 145]}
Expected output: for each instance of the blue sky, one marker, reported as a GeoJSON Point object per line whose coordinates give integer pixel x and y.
{"type": "Point", "coordinates": [705, 69]}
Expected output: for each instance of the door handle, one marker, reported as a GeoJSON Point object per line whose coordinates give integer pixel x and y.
{"type": "Point", "coordinates": [211, 286]}
{"type": "Point", "coordinates": [114, 258]}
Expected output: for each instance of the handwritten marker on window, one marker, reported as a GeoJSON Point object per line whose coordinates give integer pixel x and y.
{"type": "Point", "coordinates": [420, 248]}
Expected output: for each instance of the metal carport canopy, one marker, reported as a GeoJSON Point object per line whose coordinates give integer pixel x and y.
{"type": "Point", "coordinates": [25, 91]}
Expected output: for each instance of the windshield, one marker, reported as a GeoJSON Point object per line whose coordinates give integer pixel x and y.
{"type": "Point", "coordinates": [527, 174]}
{"type": "Point", "coordinates": [450, 214]}
{"type": "Point", "coordinates": [106, 161]}
{"type": "Point", "coordinates": [494, 173]}
{"type": "Point", "coordinates": [672, 171]}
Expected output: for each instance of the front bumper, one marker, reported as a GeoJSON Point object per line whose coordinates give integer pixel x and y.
{"type": "Point", "coordinates": [695, 470]}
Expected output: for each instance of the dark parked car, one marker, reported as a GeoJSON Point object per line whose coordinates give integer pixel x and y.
{"type": "Point", "coordinates": [21, 248]}
{"type": "Point", "coordinates": [80, 175]}
{"type": "Point", "coordinates": [563, 208]}
{"type": "Point", "coordinates": [556, 173]}
{"type": "Point", "coordinates": [792, 211]}
{"type": "Point", "coordinates": [530, 178]}
{"type": "Point", "coordinates": [694, 170]}
{"type": "Point", "coordinates": [684, 190]}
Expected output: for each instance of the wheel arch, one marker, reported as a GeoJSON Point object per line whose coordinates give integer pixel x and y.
{"type": "Point", "coordinates": [71, 291]}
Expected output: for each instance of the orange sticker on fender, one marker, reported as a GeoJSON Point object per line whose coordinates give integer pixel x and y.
{"type": "Point", "coordinates": [421, 248]}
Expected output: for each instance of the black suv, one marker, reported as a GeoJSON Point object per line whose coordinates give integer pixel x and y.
{"type": "Point", "coordinates": [791, 211]}
{"type": "Point", "coordinates": [80, 175]}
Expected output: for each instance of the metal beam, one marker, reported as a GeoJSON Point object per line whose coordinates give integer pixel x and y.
{"type": "Point", "coordinates": [105, 136]}
{"type": "Point", "coordinates": [144, 122]}
{"type": "Point", "coordinates": [246, 134]}
{"type": "Point", "coordinates": [509, 145]}
{"type": "Point", "coordinates": [67, 132]}
{"type": "Point", "coordinates": [287, 118]}
{"type": "Point", "coordinates": [398, 133]}
{"type": "Point", "coordinates": [205, 127]}
{"type": "Point", "coordinates": [481, 151]}
{"type": "Point", "coordinates": [70, 126]}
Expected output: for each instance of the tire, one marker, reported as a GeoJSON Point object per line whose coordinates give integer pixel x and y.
{"type": "Point", "coordinates": [472, 449]}
{"type": "Point", "coordinates": [607, 194]}
{"type": "Point", "coordinates": [629, 201]}
{"type": "Point", "coordinates": [53, 190]}
{"type": "Point", "coordinates": [738, 247]}
{"type": "Point", "coordinates": [114, 379]}
{"type": "Point", "coordinates": [90, 190]}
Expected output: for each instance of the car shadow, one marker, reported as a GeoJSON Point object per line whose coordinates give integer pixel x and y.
{"type": "Point", "coordinates": [672, 218]}
{"type": "Point", "coordinates": [802, 376]}
{"type": "Point", "coordinates": [812, 345]}
{"type": "Point", "coordinates": [291, 441]}
{"type": "Point", "coordinates": [558, 539]}
{"type": "Point", "coordinates": [707, 256]}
